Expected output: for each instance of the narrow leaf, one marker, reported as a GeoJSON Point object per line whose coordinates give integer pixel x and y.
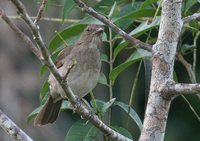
{"type": "Point", "coordinates": [137, 14]}
{"type": "Point", "coordinates": [135, 56]}
{"type": "Point", "coordinates": [66, 34]}
{"type": "Point", "coordinates": [99, 105]}
{"type": "Point", "coordinates": [122, 131]}
{"type": "Point", "coordinates": [147, 3]}
{"type": "Point", "coordinates": [119, 48]}
{"type": "Point", "coordinates": [108, 104]}
{"type": "Point", "coordinates": [141, 29]}
{"type": "Point", "coordinates": [82, 131]}
{"type": "Point", "coordinates": [104, 58]}
{"type": "Point", "coordinates": [44, 90]}
{"type": "Point", "coordinates": [102, 79]}
{"type": "Point", "coordinates": [144, 27]}
{"type": "Point", "coordinates": [33, 114]}
{"type": "Point", "coordinates": [132, 113]}
{"type": "Point", "coordinates": [68, 6]}
{"type": "Point", "coordinates": [43, 70]}
{"type": "Point", "coordinates": [112, 10]}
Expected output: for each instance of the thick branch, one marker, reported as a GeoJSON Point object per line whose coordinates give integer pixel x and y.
{"type": "Point", "coordinates": [12, 129]}
{"type": "Point", "coordinates": [195, 16]}
{"type": "Point", "coordinates": [109, 23]}
{"type": "Point", "coordinates": [181, 88]}
{"type": "Point", "coordinates": [163, 55]}
{"type": "Point", "coordinates": [46, 59]}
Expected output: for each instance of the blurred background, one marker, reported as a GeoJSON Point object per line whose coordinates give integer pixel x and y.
{"type": "Point", "coordinates": [20, 82]}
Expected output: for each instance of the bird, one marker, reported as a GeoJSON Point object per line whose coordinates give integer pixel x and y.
{"type": "Point", "coordinates": [80, 65]}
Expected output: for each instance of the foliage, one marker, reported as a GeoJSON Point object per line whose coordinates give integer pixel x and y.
{"type": "Point", "coordinates": [140, 20]}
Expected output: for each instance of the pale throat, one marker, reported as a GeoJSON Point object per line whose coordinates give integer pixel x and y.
{"type": "Point", "coordinates": [95, 43]}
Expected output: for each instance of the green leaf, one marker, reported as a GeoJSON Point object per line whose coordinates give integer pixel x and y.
{"type": "Point", "coordinates": [189, 4]}
{"type": "Point", "coordinates": [112, 10]}
{"type": "Point", "coordinates": [147, 3]}
{"type": "Point", "coordinates": [102, 79]}
{"type": "Point", "coordinates": [144, 27]}
{"type": "Point", "coordinates": [68, 6]}
{"type": "Point", "coordinates": [104, 58]}
{"type": "Point", "coordinates": [43, 70]}
{"type": "Point", "coordinates": [137, 14]}
{"type": "Point", "coordinates": [132, 113]}
{"type": "Point", "coordinates": [175, 76]}
{"type": "Point", "coordinates": [33, 114]}
{"type": "Point", "coordinates": [122, 131]}
{"type": "Point", "coordinates": [141, 29]}
{"type": "Point", "coordinates": [133, 1]}
{"type": "Point", "coordinates": [186, 48]}
{"type": "Point", "coordinates": [82, 131]}
{"type": "Point", "coordinates": [42, 101]}
{"type": "Point", "coordinates": [135, 56]}
{"type": "Point", "coordinates": [108, 104]}
{"type": "Point", "coordinates": [44, 90]}
{"type": "Point", "coordinates": [107, 3]}
{"type": "Point", "coordinates": [119, 48]}
{"type": "Point", "coordinates": [99, 105]}
{"type": "Point", "coordinates": [66, 105]}
{"type": "Point", "coordinates": [65, 34]}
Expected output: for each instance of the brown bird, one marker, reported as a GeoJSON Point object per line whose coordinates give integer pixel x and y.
{"type": "Point", "coordinates": [80, 64]}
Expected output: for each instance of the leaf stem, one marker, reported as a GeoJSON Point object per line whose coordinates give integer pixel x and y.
{"type": "Point", "coordinates": [132, 93]}
{"type": "Point", "coordinates": [110, 70]}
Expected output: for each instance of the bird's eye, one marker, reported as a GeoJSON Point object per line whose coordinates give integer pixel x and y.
{"type": "Point", "coordinates": [88, 29]}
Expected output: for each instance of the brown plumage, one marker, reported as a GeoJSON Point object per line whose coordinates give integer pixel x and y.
{"type": "Point", "coordinates": [82, 77]}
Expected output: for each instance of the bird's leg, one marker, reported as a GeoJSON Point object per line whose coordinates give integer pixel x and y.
{"type": "Point", "coordinates": [91, 110]}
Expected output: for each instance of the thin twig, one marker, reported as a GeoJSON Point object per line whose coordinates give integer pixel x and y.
{"type": "Point", "coordinates": [188, 68]}
{"type": "Point", "coordinates": [195, 16]}
{"type": "Point", "coordinates": [48, 19]}
{"type": "Point", "coordinates": [40, 11]}
{"type": "Point", "coordinates": [195, 52]}
{"type": "Point", "coordinates": [12, 129]}
{"type": "Point", "coordinates": [109, 23]}
{"type": "Point", "coordinates": [191, 107]}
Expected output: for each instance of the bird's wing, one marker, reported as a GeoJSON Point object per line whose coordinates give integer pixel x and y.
{"type": "Point", "coordinates": [60, 59]}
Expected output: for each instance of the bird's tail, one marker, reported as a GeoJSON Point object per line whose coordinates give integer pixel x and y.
{"type": "Point", "coordinates": [49, 112]}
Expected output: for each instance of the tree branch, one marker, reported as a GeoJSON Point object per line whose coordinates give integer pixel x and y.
{"type": "Point", "coordinates": [182, 88]}
{"type": "Point", "coordinates": [48, 19]}
{"type": "Point", "coordinates": [26, 39]}
{"type": "Point", "coordinates": [109, 23]}
{"type": "Point", "coordinates": [163, 56]}
{"type": "Point", "coordinates": [195, 16]}
{"type": "Point", "coordinates": [188, 67]}
{"type": "Point", "coordinates": [12, 129]}
{"type": "Point", "coordinates": [46, 59]}
{"type": "Point", "coordinates": [40, 11]}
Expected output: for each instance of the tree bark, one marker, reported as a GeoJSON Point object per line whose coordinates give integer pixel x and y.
{"type": "Point", "coordinates": [163, 56]}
